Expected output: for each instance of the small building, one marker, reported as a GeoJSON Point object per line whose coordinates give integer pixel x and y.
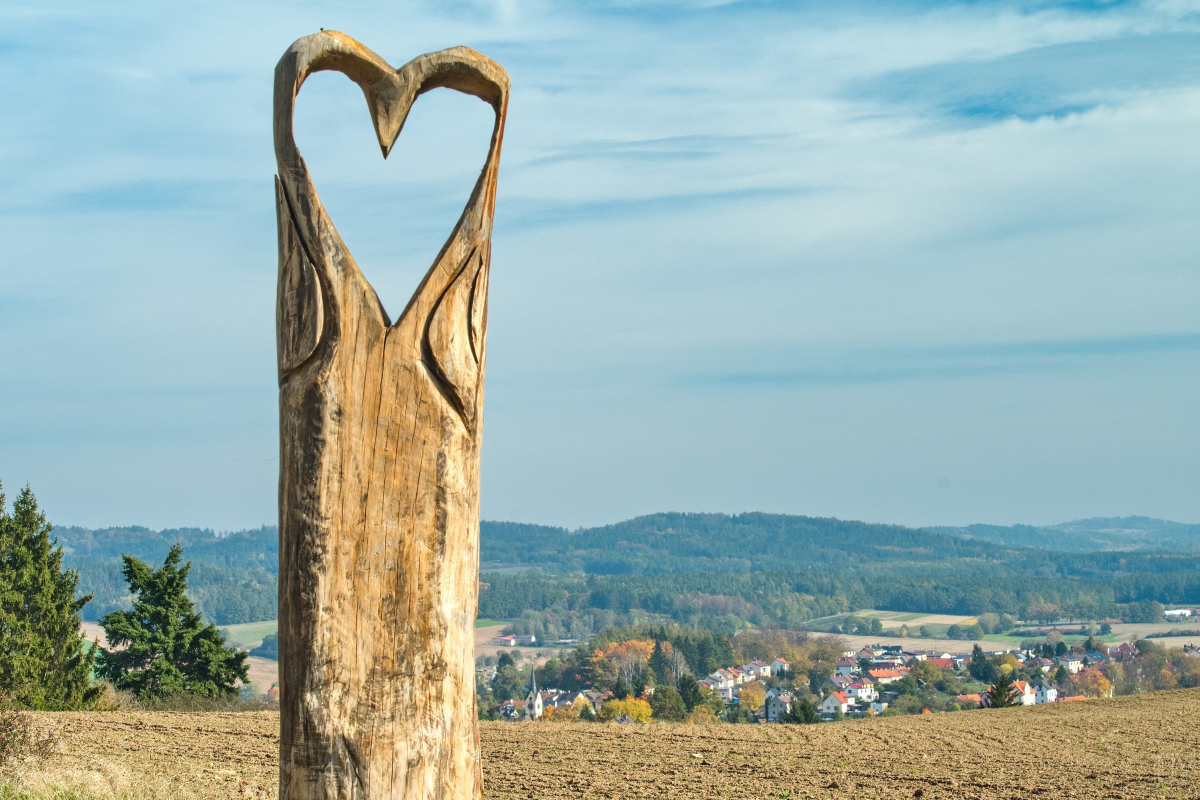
{"type": "Point", "coordinates": [846, 667]}
{"type": "Point", "coordinates": [1044, 692]}
{"type": "Point", "coordinates": [885, 676]}
{"type": "Point", "coordinates": [1071, 663]}
{"type": "Point", "coordinates": [777, 704]}
{"type": "Point", "coordinates": [1023, 694]}
{"type": "Point", "coordinates": [836, 701]}
{"type": "Point", "coordinates": [779, 667]}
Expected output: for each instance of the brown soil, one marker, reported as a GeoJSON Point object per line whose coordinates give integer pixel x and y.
{"type": "Point", "coordinates": [1144, 746]}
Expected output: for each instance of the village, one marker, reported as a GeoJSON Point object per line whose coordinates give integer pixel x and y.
{"type": "Point", "coordinates": [877, 680]}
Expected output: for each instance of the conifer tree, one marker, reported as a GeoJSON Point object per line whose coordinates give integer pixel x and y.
{"type": "Point", "coordinates": [42, 662]}
{"type": "Point", "coordinates": [163, 647]}
{"type": "Point", "coordinates": [658, 662]}
{"type": "Point", "coordinates": [1002, 694]}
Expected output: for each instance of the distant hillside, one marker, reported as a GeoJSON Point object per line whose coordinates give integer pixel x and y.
{"type": "Point", "coordinates": [746, 566]}
{"type": "Point", "coordinates": [233, 577]}
{"type": "Point", "coordinates": [1109, 534]}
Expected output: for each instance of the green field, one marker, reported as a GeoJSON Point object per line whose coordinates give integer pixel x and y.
{"type": "Point", "coordinates": [249, 635]}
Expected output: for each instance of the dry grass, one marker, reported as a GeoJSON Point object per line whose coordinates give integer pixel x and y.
{"type": "Point", "coordinates": [1146, 746]}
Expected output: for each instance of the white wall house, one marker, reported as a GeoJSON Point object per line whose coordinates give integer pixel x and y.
{"type": "Point", "coordinates": [836, 701]}
{"type": "Point", "coordinates": [1044, 692]}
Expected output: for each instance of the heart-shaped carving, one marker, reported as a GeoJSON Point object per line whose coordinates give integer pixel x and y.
{"type": "Point", "coordinates": [379, 468]}
{"type": "Point", "coordinates": [316, 267]}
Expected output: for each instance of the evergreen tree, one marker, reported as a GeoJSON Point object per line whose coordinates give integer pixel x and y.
{"type": "Point", "coordinates": [507, 685]}
{"type": "Point", "coordinates": [658, 663]}
{"type": "Point", "coordinates": [42, 663]}
{"type": "Point", "coordinates": [666, 704]}
{"type": "Point", "coordinates": [165, 648]}
{"type": "Point", "coordinates": [981, 667]}
{"type": "Point", "coordinates": [689, 692]}
{"type": "Point", "coordinates": [620, 689]}
{"type": "Point", "coordinates": [1002, 694]}
{"type": "Point", "coordinates": [801, 712]}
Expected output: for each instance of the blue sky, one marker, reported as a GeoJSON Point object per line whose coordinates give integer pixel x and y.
{"type": "Point", "coordinates": [926, 263]}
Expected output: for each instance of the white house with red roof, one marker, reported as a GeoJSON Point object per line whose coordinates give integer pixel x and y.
{"type": "Point", "coordinates": [1023, 694]}
{"type": "Point", "coordinates": [779, 666]}
{"type": "Point", "coordinates": [862, 691]}
{"type": "Point", "coordinates": [836, 701]}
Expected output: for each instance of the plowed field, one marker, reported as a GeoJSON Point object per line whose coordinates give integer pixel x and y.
{"type": "Point", "coordinates": [1145, 746]}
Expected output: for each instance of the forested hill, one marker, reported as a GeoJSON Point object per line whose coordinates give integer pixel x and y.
{"type": "Point", "coordinates": [665, 543]}
{"type": "Point", "coordinates": [814, 564]}
{"type": "Point", "coordinates": [1090, 535]}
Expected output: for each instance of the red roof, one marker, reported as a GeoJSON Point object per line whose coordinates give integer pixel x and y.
{"type": "Point", "coordinates": [885, 673]}
{"type": "Point", "coordinates": [841, 698]}
{"type": "Point", "coordinates": [942, 663]}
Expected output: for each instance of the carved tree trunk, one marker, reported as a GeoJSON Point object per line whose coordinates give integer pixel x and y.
{"type": "Point", "coordinates": [379, 468]}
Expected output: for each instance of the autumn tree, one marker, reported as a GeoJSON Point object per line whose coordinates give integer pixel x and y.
{"type": "Point", "coordinates": [752, 697]}
{"type": "Point", "coordinates": [42, 661]}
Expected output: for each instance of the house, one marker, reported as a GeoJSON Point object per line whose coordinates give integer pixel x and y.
{"type": "Point", "coordinates": [756, 669]}
{"type": "Point", "coordinates": [878, 707]}
{"type": "Point", "coordinates": [885, 676]}
{"type": "Point", "coordinates": [862, 691]}
{"type": "Point", "coordinates": [1023, 694]}
{"type": "Point", "coordinates": [1070, 662]}
{"type": "Point", "coordinates": [525, 641]}
{"type": "Point", "coordinates": [504, 641]}
{"type": "Point", "coordinates": [846, 667]}
{"type": "Point", "coordinates": [777, 704]}
{"type": "Point", "coordinates": [722, 682]}
{"type": "Point", "coordinates": [1178, 613]}
{"type": "Point", "coordinates": [968, 698]}
{"type": "Point", "coordinates": [942, 663]}
{"type": "Point", "coordinates": [839, 683]}
{"type": "Point", "coordinates": [835, 702]}
{"type": "Point", "coordinates": [1044, 692]}
{"type": "Point", "coordinates": [779, 666]}
{"type": "Point", "coordinates": [1095, 657]}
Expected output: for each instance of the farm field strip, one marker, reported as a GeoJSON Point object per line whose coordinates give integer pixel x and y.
{"type": "Point", "coordinates": [1128, 747]}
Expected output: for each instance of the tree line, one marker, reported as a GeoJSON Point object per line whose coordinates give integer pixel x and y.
{"type": "Point", "coordinates": [160, 647]}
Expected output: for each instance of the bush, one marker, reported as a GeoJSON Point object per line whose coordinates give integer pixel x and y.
{"type": "Point", "coordinates": [21, 739]}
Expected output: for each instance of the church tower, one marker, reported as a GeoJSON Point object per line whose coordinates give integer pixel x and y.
{"type": "Point", "coordinates": [533, 703]}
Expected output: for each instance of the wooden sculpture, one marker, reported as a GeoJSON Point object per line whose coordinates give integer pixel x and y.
{"type": "Point", "coordinates": [379, 435]}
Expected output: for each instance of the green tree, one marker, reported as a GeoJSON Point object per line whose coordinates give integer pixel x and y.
{"type": "Point", "coordinates": [801, 712]}
{"type": "Point", "coordinates": [587, 713]}
{"type": "Point", "coordinates": [620, 689]}
{"type": "Point", "coordinates": [1002, 694]}
{"type": "Point", "coordinates": [876, 626]}
{"type": "Point", "coordinates": [689, 692]}
{"type": "Point", "coordinates": [980, 666]}
{"type": "Point", "coordinates": [42, 663]}
{"type": "Point", "coordinates": [507, 684]}
{"type": "Point", "coordinates": [162, 646]}
{"type": "Point", "coordinates": [666, 704]}
{"type": "Point", "coordinates": [658, 663]}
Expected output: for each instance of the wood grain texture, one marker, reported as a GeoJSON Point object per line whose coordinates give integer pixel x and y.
{"type": "Point", "coordinates": [379, 467]}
